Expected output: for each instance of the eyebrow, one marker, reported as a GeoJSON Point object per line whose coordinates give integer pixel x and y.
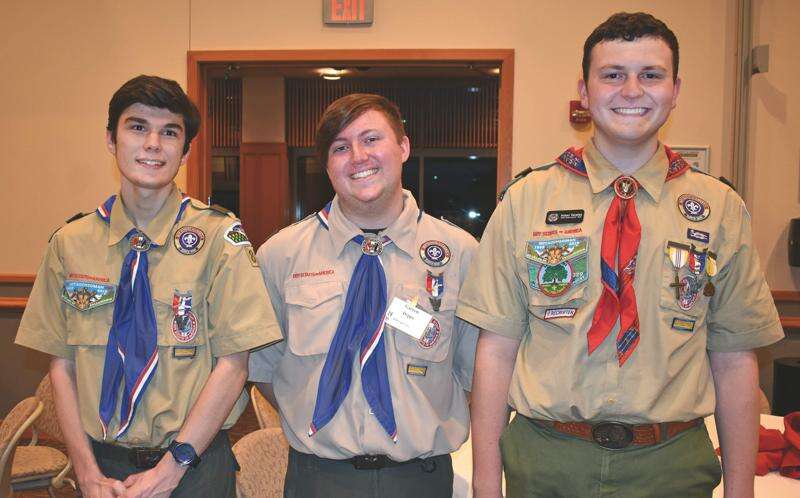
{"type": "Point", "coordinates": [340, 138]}
{"type": "Point", "coordinates": [134, 119]}
{"type": "Point", "coordinates": [645, 68]}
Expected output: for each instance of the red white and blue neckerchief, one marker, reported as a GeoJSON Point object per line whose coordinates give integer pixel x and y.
{"type": "Point", "coordinates": [132, 349]}
{"type": "Point", "coordinates": [618, 252]}
{"type": "Point", "coordinates": [360, 329]}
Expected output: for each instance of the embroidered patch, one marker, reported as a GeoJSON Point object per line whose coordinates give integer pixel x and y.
{"type": "Point", "coordinates": [189, 240]}
{"type": "Point", "coordinates": [683, 324]}
{"type": "Point", "coordinates": [84, 296]}
{"type": "Point", "coordinates": [431, 335]}
{"type": "Point", "coordinates": [556, 265]}
{"type": "Point", "coordinates": [693, 208]}
{"type": "Point", "coordinates": [559, 313]}
{"type": "Point", "coordinates": [306, 274]}
{"type": "Point", "coordinates": [434, 253]}
{"type": "Point", "coordinates": [689, 292]}
{"type": "Point", "coordinates": [184, 351]}
{"type": "Point", "coordinates": [698, 235]}
{"type": "Point", "coordinates": [82, 276]}
{"type": "Point", "coordinates": [236, 236]}
{"type": "Point", "coordinates": [564, 216]}
{"type": "Point", "coordinates": [184, 323]}
{"type": "Point", "coordinates": [418, 370]}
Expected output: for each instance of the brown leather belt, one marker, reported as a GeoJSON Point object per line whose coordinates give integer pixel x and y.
{"type": "Point", "coordinates": [616, 435]}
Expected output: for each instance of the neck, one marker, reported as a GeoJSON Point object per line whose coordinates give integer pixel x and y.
{"type": "Point", "coordinates": [374, 214]}
{"type": "Point", "coordinates": [143, 205]}
{"type": "Point", "coordinates": [626, 157]}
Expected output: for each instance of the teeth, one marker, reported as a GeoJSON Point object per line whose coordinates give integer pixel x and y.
{"type": "Point", "coordinates": [364, 174]}
{"type": "Point", "coordinates": [150, 162]}
{"type": "Point", "coordinates": [630, 111]}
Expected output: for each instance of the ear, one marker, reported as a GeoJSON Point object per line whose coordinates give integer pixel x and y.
{"type": "Point", "coordinates": [583, 91]}
{"type": "Point", "coordinates": [675, 92]}
{"type": "Point", "coordinates": [112, 147]}
{"type": "Point", "coordinates": [405, 146]}
{"type": "Point", "coordinates": [186, 156]}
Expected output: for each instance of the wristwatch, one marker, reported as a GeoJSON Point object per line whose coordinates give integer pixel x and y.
{"type": "Point", "coordinates": [184, 454]}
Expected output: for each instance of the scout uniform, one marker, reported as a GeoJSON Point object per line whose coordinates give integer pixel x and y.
{"type": "Point", "coordinates": [207, 298]}
{"type": "Point", "coordinates": [537, 278]}
{"type": "Point", "coordinates": [307, 268]}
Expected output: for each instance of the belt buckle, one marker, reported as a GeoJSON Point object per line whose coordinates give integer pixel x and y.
{"type": "Point", "coordinates": [612, 435]}
{"type": "Point", "coordinates": [369, 462]}
{"type": "Point", "coordinates": [145, 458]}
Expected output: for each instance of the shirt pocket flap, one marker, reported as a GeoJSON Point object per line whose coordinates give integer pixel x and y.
{"type": "Point", "coordinates": [312, 315]}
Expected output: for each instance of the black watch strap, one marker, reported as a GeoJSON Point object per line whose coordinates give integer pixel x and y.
{"type": "Point", "coordinates": [184, 454]}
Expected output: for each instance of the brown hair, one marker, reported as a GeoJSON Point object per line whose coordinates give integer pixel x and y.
{"type": "Point", "coordinates": [347, 109]}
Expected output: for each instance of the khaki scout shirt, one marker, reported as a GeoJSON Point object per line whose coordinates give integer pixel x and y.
{"type": "Point", "coordinates": [307, 268]}
{"type": "Point", "coordinates": [667, 377]}
{"type": "Point", "coordinates": [228, 299]}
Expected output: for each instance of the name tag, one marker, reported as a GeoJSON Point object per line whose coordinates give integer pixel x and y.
{"type": "Point", "coordinates": [407, 318]}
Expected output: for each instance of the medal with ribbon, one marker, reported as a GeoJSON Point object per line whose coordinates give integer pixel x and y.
{"type": "Point", "coordinates": [679, 256]}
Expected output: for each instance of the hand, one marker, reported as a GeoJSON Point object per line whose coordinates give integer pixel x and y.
{"type": "Point", "coordinates": [157, 482]}
{"type": "Point", "coordinates": [99, 486]}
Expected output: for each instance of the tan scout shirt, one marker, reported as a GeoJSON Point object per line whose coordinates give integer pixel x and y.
{"type": "Point", "coordinates": [307, 268]}
{"type": "Point", "coordinates": [228, 299]}
{"type": "Point", "coordinates": [668, 377]}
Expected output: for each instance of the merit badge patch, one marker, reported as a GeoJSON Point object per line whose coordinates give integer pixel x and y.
{"type": "Point", "coordinates": [236, 236]}
{"type": "Point", "coordinates": [683, 324]}
{"type": "Point", "coordinates": [698, 235]}
{"type": "Point", "coordinates": [559, 313]}
{"type": "Point", "coordinates": [418, 370]}
{"type": "Point", "coordinates": [184, 321]}
{"type": "Point", "coordinates": [556, 265]}
{"type": "Point", "coordinates": [87, 295]}
{"type": "Point", "coordinates": [189, 240]}
{"type": "Point", "coordinates": [564, 217]}
{"type": "Point", "coordinates": [434, 253]}
{"type": "Point", "coordinates": [434, 284]}
{"type": "Point", "coordinates": [431, 335]}
{"type": "Point", "coordinates": [693, 208]}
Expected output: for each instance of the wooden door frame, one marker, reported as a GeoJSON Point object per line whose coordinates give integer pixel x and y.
{"type": "Point", "coordinates": [198, 172]}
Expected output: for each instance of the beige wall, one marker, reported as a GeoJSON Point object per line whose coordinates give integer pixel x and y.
{"type": "Point", "coordinates": [263, 109]}
{"type": "Point", "coordinates": [63, 63]}
{"type": "Point", "coordinates": [773, 190]}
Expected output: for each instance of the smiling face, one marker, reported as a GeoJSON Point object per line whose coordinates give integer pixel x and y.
{"type": "Point", "coordinates": [148, 147]}
{"type": "Point", "coordinates": [365, 162]}
{"type": "Point", "coordinates": [630, 91]}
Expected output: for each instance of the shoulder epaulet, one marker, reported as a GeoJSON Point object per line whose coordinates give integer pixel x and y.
{"type": "Point", "coordinates": [449, 222]}
{"type": "Point", "coordinates": [312, 215]}
{"type": "Point", "coordinates": [72, 218]}
{"type": "Point", "coordinates": [727, 182]}
{"type": "Point", "coordinates": [222, 210]}
{"type": "Point", "coordinates": [720, 179]}
{"type": "Point", "coordinates": [519, 176]}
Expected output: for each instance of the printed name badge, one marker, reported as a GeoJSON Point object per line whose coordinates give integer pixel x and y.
{"type": "Point", "coordinates": [407, 318]}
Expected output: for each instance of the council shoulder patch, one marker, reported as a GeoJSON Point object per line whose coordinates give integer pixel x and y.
{"type": "Point", "coordinates": [693, 208]}
{"type": "Point", "coordinates": [189, 240]}
{"type": "Point", "coordinates": [434, 253]}
{"type": "Point", "coordinates": [236, 236]}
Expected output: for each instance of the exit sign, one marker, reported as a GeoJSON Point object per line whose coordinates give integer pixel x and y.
{"type": "Point", "coordinates": [347, 11]}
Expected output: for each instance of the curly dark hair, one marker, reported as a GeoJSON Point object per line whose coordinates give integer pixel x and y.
{"type": "Point", "coordinates": [630, 26]}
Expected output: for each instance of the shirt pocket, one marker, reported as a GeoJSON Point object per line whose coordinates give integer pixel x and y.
{"type": "Point", "coordinates": [434, 345]}
{"type": "Point", "coordinates": [180, 315]}
{"type": "Point", "coordinates": [558, 311]}
{"type": "Point", "coordinates": [682, 289]}
{"type": "Point", "coordinates": [312, 315]}
{"type": "Point", "coordinates": [89, 311]}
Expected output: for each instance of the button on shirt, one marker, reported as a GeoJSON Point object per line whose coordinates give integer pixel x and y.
{"type": "Point", "coordinates": [307, 268]}
{"type": "Point", "coordinates": [668, 376]}
{"type": "Point", "coordinates": [227, 300]}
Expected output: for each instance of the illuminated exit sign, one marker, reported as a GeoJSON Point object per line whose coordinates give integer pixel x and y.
{"type": "Point", "coordinates": [347, 11]}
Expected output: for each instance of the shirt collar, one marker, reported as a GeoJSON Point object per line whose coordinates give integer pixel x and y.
{"type": "Point", "coordinates": [402, 231]}
{"type": "Point", "coordinates": [157, 230]}
{"type": "Point", "coordinates": [602, 173]}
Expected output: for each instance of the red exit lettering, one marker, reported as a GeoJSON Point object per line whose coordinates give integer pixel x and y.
{"type": "Point", "coordinates": [348, 10]}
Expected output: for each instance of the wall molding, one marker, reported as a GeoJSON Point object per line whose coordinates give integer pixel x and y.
{"type": "Point", "coordinates": [13, 303]}
{"type": "Point", "coordinates": [17, 278]}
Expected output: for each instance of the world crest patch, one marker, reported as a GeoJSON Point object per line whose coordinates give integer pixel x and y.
{"type": "Point", "coordinates": [554, 266]}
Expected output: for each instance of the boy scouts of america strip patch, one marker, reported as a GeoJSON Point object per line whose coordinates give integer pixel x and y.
{"type": "Point", "coordinates": [683, 324]}
{"type": "Point", "coordinates": [87, 295]}
{"type": "Point", "coordinates": [236, 236]}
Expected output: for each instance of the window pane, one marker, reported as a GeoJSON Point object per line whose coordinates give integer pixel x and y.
{"type": "Point", "coordinates": [462, 190]}
{"type": "Point", "coordinates": [411, 176]}
{"type": "Point", "coordinates": [314, 189]}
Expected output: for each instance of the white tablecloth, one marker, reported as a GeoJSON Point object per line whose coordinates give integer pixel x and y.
{"type": "Point", "coordinates": [772, 485]}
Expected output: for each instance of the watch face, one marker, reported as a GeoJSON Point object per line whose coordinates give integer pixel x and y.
{"type": "Point", "coordinates": [184, 453]}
